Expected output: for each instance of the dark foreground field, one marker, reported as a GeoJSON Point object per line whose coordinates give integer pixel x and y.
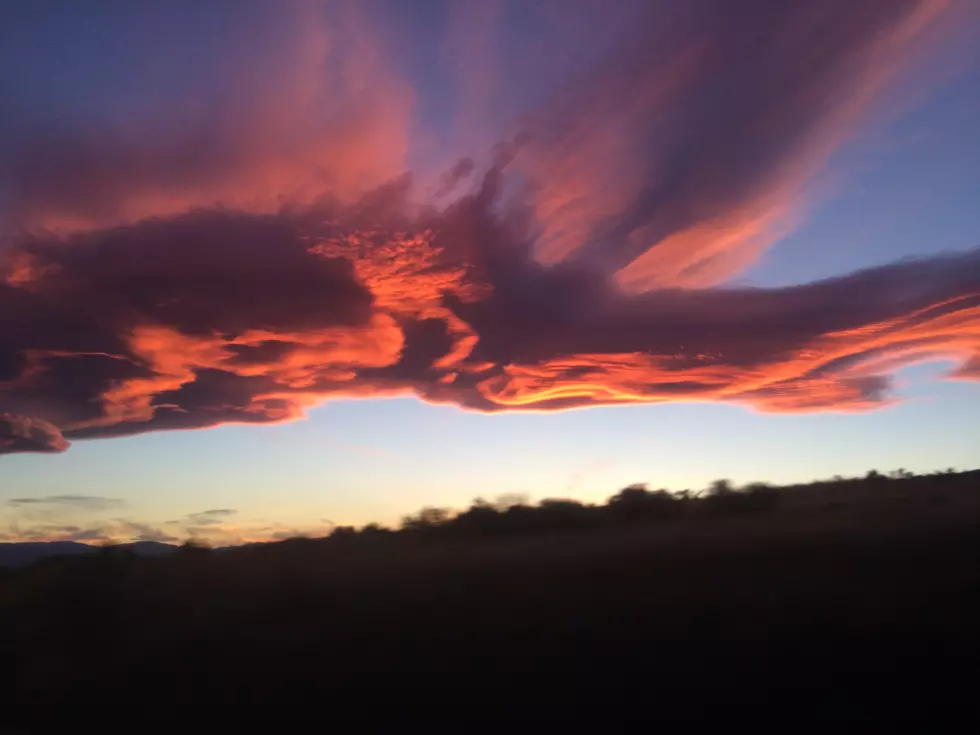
{"type": "Point", "coordinates": [849, 591]}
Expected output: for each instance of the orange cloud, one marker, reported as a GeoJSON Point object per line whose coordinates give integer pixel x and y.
{"type": "Point", "coordinates": [122, 531]}
{"type": "Point", "coordinates": [297, 264]}
{"type": "Point", "coordinates": [191, 338]}
{"type": "Point", "coordinates": [844, 370]}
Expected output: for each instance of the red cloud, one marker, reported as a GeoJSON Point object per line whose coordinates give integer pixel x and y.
{"type": "Point", "coordinates": [565, 278]}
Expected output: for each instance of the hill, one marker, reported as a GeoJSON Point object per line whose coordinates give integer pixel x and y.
{"type": "Point", "coordinates": [649, 603]}
{"type": "Point", "coordinates": [28, 552]}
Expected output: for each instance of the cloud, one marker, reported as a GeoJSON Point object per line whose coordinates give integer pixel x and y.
{"type": "Point", "coordinates": [679, 157]}
{"type": "Point", "coordinates": [262, 104]}
{"type": "Point", "coordinates": [74, 502]}
{"type": "Point", "coordinates": [824, 345]}
{"type": "Point", "coordinates": [156, 325]}
{"type": "Point", "coordinates": [582, 266]}
{"type": "Point", "coordinates": [233, 534]}
{"type": "Point", "coordinates": [57, 522]}
{"type": "Point", "coordinates": [145, 532]}
{"type": "Point", "coordinates": [165, 312]}
{"type": "Point", "coordinates": [29, 434]}
{"type": "Point", "coordinates": [100, 532]}
{"type": "Point", "coordinates": [210, 517]}
{"type": "Point", "coordinates": [57, 518]}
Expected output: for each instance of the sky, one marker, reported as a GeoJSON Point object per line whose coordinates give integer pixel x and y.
{"type": "Point", "coordinates": [268, 268]}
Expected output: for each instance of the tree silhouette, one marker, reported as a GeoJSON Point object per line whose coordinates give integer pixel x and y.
{"type": "Point", "coordinates": [426, 518]}
{"type": "Point", "coordinates": [637, 503]}
{"type": "Point", "coordinates": [720, 487]}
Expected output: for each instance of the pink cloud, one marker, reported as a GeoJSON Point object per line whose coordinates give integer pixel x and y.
{"type": "Point", "coordinates": [268, 254]}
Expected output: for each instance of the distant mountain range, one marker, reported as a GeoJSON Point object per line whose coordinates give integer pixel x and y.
{"type": "Point", "coordinates": [21, 554]}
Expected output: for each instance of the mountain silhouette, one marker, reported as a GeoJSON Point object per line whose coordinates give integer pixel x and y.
{"type": "Point", "coordinates": [27, 552]}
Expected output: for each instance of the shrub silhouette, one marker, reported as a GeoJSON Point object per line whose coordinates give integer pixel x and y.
{"type": "Point", "coordinates": [636, 503]}
{"type": "Point", "coordinates": [426, 519]}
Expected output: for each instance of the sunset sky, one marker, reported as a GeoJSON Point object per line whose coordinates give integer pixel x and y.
{"type": "Point", "coordinates": [266, 267]}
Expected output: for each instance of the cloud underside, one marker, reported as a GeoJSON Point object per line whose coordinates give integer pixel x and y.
{"type": "Point", "coordinates": [583, 266]}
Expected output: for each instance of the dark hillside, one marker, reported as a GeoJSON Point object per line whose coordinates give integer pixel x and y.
{"type": "Point", "coordinates": [731, 594]}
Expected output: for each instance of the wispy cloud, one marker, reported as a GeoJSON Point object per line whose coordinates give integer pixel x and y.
{"type": "Point", "coordinates": [209, 517]}
{"type": "Point", "coordinates": [285, 102]}
{"type": "Point", "coordinates": [56, 518]}
{"type": "Point", "coordinates": [98, 532]}
{"type": "Point", "coordinates": [79, 502]}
